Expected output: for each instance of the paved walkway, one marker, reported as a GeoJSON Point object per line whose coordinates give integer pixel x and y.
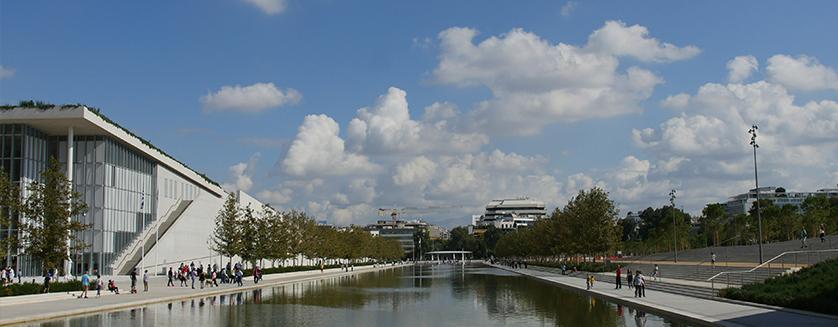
{"type": "Point", "coordinates": [695, 310]}
{"type": "Point", "coordinates": [23, 309]}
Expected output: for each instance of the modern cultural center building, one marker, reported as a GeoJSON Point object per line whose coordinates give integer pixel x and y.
{"type": "Point", "coordinates": [140, 200]}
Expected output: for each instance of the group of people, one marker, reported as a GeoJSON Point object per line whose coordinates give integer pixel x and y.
{"type": "Point", "coordinates": [210, 275]}
{"type": "Point", "coordinates": [805, 235]}
{"type": "Point", "coordinates": [8, 276]}
{"type": "Point", "coordinates": [86, 284]}
{"type": "Point", "coordinates": [634, 280]}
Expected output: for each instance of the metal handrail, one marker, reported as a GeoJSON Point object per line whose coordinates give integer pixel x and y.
{"type": "Point", "coordinates": [711, 279]}
{"type": "Point", "coordinates": [137, 242]}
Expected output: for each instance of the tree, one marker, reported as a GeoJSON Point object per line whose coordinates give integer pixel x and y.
{"type": "Point", "coordinates": [226, 238]}
{"type": "Point", "coordinates": [591, 217]}
{"type": "Point", "coordinates": [47, 224]}
{"type": "Point", "coordinates": [249, 247]}
{"type": "Point", "coordinates": [9, 204]}
{"type": "Point", "coordinates": [713, 217]}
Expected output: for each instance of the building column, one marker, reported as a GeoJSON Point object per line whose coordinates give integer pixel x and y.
{"type": "Point", "coordinates": [68, 265]}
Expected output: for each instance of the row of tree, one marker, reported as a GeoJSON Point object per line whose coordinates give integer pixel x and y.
{"type": "Point", "coordinates": [48, 207]}
{"type": "Point", "coordinates": [589, 225]}
{"type": "Point", "coordinates": [267, 234]}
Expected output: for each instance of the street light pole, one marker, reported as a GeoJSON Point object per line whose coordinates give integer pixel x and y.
{"type": "Point", "coordinates": [674, 224]}
{"type": "Point", "coordinates": [753, 132]}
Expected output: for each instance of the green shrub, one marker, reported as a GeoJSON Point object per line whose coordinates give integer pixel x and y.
{"type": "Point", "coordinates": [581, 266]}
{"type": "Point", "coordinates": [37, 288]}
{"type": "Point", "coordinates": [814, 288]}
{"type": "Point", "coordinates": [276, 270]}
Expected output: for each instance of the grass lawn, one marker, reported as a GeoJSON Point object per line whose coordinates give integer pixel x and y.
{"type": "Point", "coordinates": [813, 288]}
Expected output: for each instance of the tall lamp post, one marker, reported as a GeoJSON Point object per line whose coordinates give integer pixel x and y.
{"type": "Point", "coordinates": [753, 132]}
{"type": "Point", "coordinates": [674, 225]}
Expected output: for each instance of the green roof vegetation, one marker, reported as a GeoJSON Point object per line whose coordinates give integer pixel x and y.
{"type": "Point", "coordinates": [31, 104]}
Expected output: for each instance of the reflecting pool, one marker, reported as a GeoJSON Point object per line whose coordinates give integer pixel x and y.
{"type": "Point", "coordinates": [428, 295]}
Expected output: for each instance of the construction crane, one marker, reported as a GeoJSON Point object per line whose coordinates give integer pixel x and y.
{"type": "Point", "coordinates": [395, 212]}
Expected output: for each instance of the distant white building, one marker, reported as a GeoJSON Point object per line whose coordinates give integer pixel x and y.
{"type": "Point", "coordinates": [741, 203]}
{"type": "Point", "coordinates": [511, 213]}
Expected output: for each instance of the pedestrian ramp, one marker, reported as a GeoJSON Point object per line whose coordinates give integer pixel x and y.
{"type": "Point", "coordinates": [132, 254]}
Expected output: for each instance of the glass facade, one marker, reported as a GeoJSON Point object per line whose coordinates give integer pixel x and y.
{"type": "Point", "coordinates": [23, 155]}
{"type": "Point", "coordinates": [116, 183]}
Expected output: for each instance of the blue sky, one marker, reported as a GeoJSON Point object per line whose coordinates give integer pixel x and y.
{"type": "Point", "coordinates": [151, 65]}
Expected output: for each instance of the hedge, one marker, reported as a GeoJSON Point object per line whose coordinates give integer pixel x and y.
{"type": "Point", "coordinates": [37, 288]}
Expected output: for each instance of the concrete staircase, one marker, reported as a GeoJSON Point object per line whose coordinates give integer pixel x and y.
{"type": "Point", "coordinates": [704, 292]}
{"type": "Point", "coordinates": [132, 254]}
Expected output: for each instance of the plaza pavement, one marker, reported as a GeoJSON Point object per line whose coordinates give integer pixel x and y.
{"type": "Point", "coordinates": [41, 307]}
{"type": "Point", "coordinates": [694, 310]}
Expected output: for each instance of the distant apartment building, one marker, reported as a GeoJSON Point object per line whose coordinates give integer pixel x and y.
{"type": "Point", "coordinates": [741, 203]}
{"type": "Point", "coordinates": [511, 213]}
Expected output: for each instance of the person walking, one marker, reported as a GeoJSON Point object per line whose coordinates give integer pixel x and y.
{"type": "Point", "coordinates": [134, 281]}
{"type": "Point", "coordinates": [47, 278]}
{"type": "Point", "coordinates": [170, 274]}
{"type": "Point", "coordinates": [713, 259]}
{"type": "Point", "coordinates": [639, 285]}
{"type": "Point", "coordinates": [619, 280]}
{"type": "Point", "coordinates": [803, 236]}
{"type": "Point", "coordinates": [99, 286]}
{"type": "Point", "coordinates": [85, 285]}
{"type": "Point", "coordinates": [822, 233]}
{"type": "Point", "coordinates": [629, 279]}
{"type": "Point", "coordinates": [145, 281]}
{"type": "Point", "coordinates": [192, 276]}
{"type": "Point", "coordinates": [201, 276]}
{"type": "Point", "coordinates": [239, 275]}
{"type": "Point", "coordinates": [657, 273]}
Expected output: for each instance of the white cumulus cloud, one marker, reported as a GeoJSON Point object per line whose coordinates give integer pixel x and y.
{"type": "Point", "coordinates": [319, 150]}
{"type": "Point", "coordinates": [741, 67]}
{"type": "Point", "coordinates": [6, 72]}
{"type": "Point", "coordinates": [803, 73]}
{"type": "Point", "coordinates": [634, 41]}
{"type": "Point", "coordinates": [252, 98]}
{"type": "Point", "coordinates": [270, 7]}
{"type": "Point", "coordinates": [535, 83]}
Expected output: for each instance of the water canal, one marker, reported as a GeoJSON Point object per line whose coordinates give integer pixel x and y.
{"type": "Point", "coordinates": [429, 295]}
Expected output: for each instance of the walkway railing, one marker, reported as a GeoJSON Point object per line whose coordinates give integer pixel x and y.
{"type": "Point", "coordinates": [129, 252]}
{"type": "Point", "coordinates": [767, 264]}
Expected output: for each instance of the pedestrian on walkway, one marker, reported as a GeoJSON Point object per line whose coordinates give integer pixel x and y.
{"type": "Point", "coordinates": [803, 236]}
{"type": "Point", "coordinates": [239, 275]}
{"type": "Point", "coordinates": [47, 277]}
{"type": "Point", "coordinates": [619, 279]}
{"type": "Point", "coordinates": [85, 285]}
{"type": "Point", "coordinates": [192, 273]}
{"type": "Point", "coordinates": [589, 281]}
{"type": "Point", "coordinates": [713, 259]}
{"type": "Point", "coordinates": [145, 281]}
{"type": "Point", "coordinates": [201, 276]}
{"type": "Point", "coordinates": [639, 284]}
{"type": "Point", "coordinates": [171, 275]}
{"type": "Point", "coordinates": [214, 276]}
{"type": "Point", "coordinates": [629, 279]}
{"type": "Point", "coordinates": [134, 281]}
{"type": "Point", "coordinates": [822, 234]}
{"type": "Point", "coordinates": [656, 274]}
{"type": "Point", "coordinates": [99, 286]}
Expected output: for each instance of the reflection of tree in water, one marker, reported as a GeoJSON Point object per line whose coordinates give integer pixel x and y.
{"type": "Point", "coordinates": [506, 296]}
{"type": "Point", "coordinates": [384, 287]}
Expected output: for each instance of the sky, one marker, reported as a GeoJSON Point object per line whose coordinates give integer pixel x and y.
{"type": "Point", "coordinates": [340, 108]}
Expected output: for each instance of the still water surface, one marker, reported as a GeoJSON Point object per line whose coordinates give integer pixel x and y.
{"type": "Point", "coordinates": [429, 295]}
